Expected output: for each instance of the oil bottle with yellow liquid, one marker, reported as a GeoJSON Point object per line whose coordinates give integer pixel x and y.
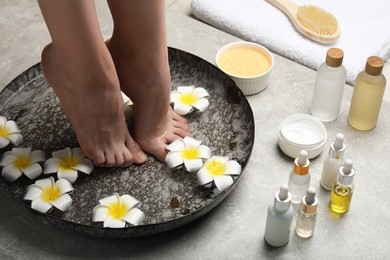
{"type": "Point", "coordinates": [341, 195]}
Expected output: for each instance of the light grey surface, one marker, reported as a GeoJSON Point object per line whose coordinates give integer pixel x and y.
{"type": "Point", "coordinates": [235, 229]}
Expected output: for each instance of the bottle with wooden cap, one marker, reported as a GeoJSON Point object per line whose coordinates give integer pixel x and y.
{"type": "Point", "coordinates": [367, 95]}
{"type": "Point", "coordinates": [307, 214]}
{"type": "Point", "coordinates": [329, 86]}
{"type": "Point", "coordinates": [299, 178]}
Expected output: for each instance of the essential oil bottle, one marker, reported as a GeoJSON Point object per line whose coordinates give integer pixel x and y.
{"type": "Point", "coordinates": [279, 217]}
{"type": "Point", "coordinates": [299, 178]}
{"type": "Point", "coordinates": [333, 162]}
{"type": "Point", "coordinates": [307, 214]}
{"type": "Point", "coordinates": [341, 195]}
{"type": "Point", "coordinates": [329, 86]}
{"type": "Point", "coordinates": [367, 95]}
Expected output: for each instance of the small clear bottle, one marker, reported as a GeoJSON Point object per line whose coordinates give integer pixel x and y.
{"type": "Point", "coordinates": [279, 218]}
{"type": "Point", "coordinates": [329, 86]}
{"type": "Point", "coordinates": [367, 95]}
{"type": "Point", "coordinates": [333, 162]}
{"type": "Point", "coordinates": [307, 214]}
{"type": "Point", "coordinates": [299, 178]}
{"type": "Point", "coordinates": [341, 195]}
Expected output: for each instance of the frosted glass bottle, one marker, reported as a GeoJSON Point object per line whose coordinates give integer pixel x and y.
{"type": "Point", "coordinates": [279, 218]}
{"type": "Point", "coordinates": [329, 86]}
{"type": "Point", "coordinates": [367, 95]}
{"type": "Point", "coordinates": [299, 178]}
{"type": "Point", "coordinates": [333, 162]}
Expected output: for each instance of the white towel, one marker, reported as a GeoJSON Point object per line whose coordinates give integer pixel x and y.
{"type": "Point", "coordinates": [364, 25]}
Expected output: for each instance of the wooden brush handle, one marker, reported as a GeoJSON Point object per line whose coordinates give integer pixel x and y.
{"type": "Point", "coordinates": [289, 8]}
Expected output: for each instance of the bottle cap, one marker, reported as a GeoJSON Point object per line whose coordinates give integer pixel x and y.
{"type": "Point", "coordinates": [334, 57]}
{"type": "Point", "coordinates": [302, 163]}
{"type": "Point", "coordinates": [337, 148]}
{"type": "Point", "coordinates": [309, 202]}
{"type": "Point", "coordinates": [374, 65]}
{"type": "Point", "coordinates": [346, 173]}
{"type": "Point", "coordinates": [282, 199]}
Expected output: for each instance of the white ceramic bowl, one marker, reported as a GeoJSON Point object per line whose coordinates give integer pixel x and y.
{"type": "Point", "coordinates": [249, 85]}
{"type": "Point", "coordinates": [302, 132]}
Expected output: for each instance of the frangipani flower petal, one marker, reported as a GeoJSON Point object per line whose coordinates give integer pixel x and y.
{"type": "Point", "coordinates": [33, 192]}
{"type": "Point", "coordinates": [114, 223]}
{"type": "Point", "coordinates": [202, 104]}
{"type": "Point", "coordinates": [85, 166]}
{"type": "Point", "coordinates": [177, 145]}
{"type": "Point", "coordinates": [223, 182]}
{"type": "Point", "coordinates": [64, 186]}
{"type": "Point", "coordinates": [51, 166]}
{"type": "Point", "coordinates": [67, 162]}
{"type": "Point", "coordinates": [193, 165]}
{"type": "Point", "coordinates": [187, 151]}
{"type": "Point", "coordinates": [68, 174]}
{"type": "Point", "coordinates": [100, 213]}
{"type": "Point", "coordinates": [32, 171]}
{"type": "Point", "coordinates": [129, 201]}
{"type": "Point", "coordinates": [46, 193]}
{"type": "Point", "coordinates": [135, 217]}
{"type": "Point", "coordinates": [9, 132]}
{"type": "Point", "coordinates": [116, 211]}
{"type": "Point", "coordinates": [42, 206]}
{"type": "Point", "coordinates": [11, 173]}
{"type": "Point", "coordinates": [21, 160]}
{"type": "Point", "coordinates": [174, 159]}
{"type": "Point", "coordinates": [185, 98]}
{"type": "Point", "coordinates": [181, 108]}
{"type": "Point", "coordinates": [218, 169]}
{"type": "Point", "coordinates": [38, 156]}
{"type": "Point", "coordinates": [203, 177]}
{"type": "Point", "coordinates": [63, 202]}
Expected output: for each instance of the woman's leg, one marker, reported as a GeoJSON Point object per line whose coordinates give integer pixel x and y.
{"type": "Point", "coordinates": [79, 67]}
{"type": "Point", "coordinates": [139, 50]}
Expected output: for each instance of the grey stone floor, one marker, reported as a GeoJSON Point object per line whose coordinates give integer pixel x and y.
{"type": "Point", "coordinates": [235, 229]}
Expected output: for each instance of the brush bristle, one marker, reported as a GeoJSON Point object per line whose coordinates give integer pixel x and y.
{"type": "Point", "coordinates": [317, 20]}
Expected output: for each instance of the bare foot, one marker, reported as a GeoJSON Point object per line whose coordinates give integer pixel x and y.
{"type": "Point", "coordinates": [148, 85]}
{"type": "Point", "coordinates": [88, 88]}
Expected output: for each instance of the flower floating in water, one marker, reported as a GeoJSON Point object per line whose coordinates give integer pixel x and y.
{"type": "Point", "coordinates": [46, 193]}
{"type": "Point", "coordinates": [9, 133]}
{"type": "Point", "coordinates": [218, 169]}
{"type": "Point", "coordinates": [19, 161]}
{"type": "Point", "coordinates": [67, 162]}
{"type": "Point", "coordinates": [185, 99]}
{"type": "Point", "coordinates": [118, 211]}
{"type": "Point", "coordinates": [187, 151]}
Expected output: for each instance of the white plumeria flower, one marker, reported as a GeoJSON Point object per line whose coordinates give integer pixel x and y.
{"type": "Point", "coordinates": [19, 161]}
{"type": "Point", "coordinates": [9, 133]}
{"type": "Point", "coordinates": [218, 169]}
{"type": "Point", "coordinates": [187, 151]}
{"type": "Point", "coordinates": [46, 193]}
{"type": "Point", "coordinates": [118, 211]}
{"type": "Point", "coordinates": [186, 98]}
{"type": "Point", "coordinates": [67, 162]}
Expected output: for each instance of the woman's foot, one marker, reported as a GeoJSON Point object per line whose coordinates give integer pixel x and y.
{"type": "Point", "coordinates": [147, 83]}
{"type": "Point", "coordinates": [88, 88]}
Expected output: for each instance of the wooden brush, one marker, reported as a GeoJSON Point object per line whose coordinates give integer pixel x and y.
{"type": "Point", "coordinates": [312, 21]}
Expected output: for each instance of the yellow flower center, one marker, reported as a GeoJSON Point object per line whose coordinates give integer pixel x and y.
{"type": "Point", "coordinates": [188, 98]}
{"type": "Point", "coordinates": [4, 132]}
{"type": "Point", "coordinates": [190, 153]}
{"type": "Point", "coordinates": [117, 210]}
{"type": "Point", "coordinates": [22, 161]}
{"type": "Point", "coordinates": [68, 162]}
{"type": "Point", "coordinates": [215, 167]}
{"type": "Point", "coordinates": [50, 194]}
